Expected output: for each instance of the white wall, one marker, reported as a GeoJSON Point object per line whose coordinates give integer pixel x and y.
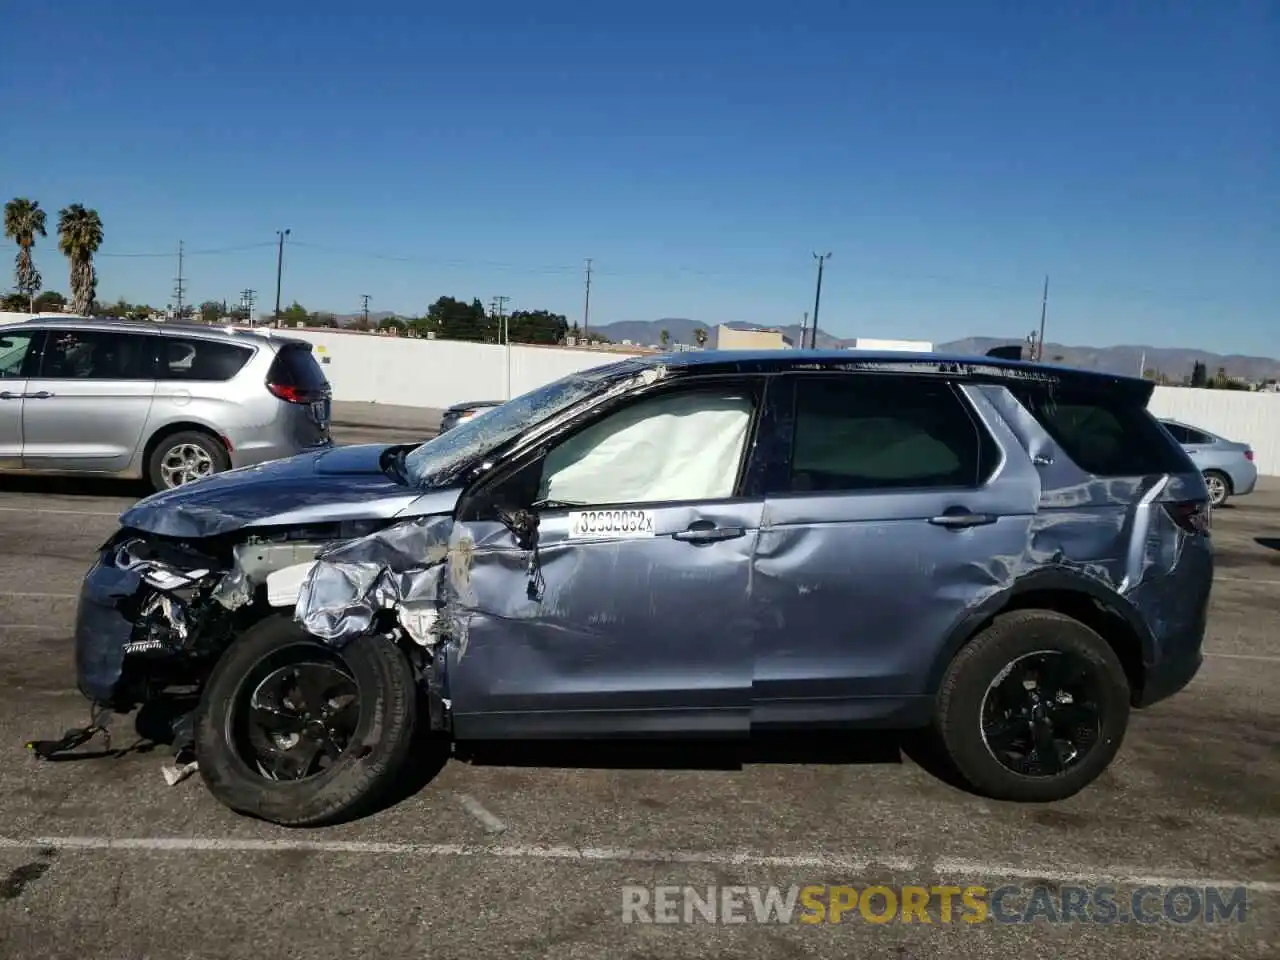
{"type": "Point", "coordinates": [1252, 418]}
{"type": "Point", "coordinates": [438, 373]}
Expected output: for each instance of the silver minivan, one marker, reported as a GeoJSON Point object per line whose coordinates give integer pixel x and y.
{"type": "Point", "coordinates": [167, 403]}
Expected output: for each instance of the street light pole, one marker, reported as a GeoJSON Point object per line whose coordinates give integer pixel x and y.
{"type": "Point", "coordinates": [281, 234]}
{"type": "Point", "coordinates": [817, 300]}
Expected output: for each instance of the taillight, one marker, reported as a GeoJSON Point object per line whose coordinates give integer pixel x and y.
{"type": "Point", "coordinates": [287, 393]}
{"type": "Point", "coordinates": [1190, 515]}
{"type": "Point", "coordinates": [1248, 455]}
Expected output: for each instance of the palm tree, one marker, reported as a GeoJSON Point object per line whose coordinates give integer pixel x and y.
{"type": "Point", "coordinates": [664, 338]}
{"type": "Point", "coordinates": [700, 335]}
{"type": "Point", "coordinates": [23, 222]}
{"type": "Point", "coordinates": [79, 237]}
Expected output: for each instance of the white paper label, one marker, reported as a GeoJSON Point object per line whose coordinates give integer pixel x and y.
{"type": "Point", "coordinates": [608, 524]}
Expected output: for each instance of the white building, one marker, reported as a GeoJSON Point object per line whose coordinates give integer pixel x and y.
{"type": "Point", "coordinates": [894, 346]}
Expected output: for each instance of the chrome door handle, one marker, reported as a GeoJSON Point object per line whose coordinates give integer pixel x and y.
{"type": "Point", "coordinates": [40, 395]}
{"type": "Point", "coordinates": [960, 519]}
{"type": "Point", "coordinates": [707, 534]}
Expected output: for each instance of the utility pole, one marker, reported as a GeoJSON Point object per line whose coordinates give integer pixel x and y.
{"type": "Point", "coordinates": [281, 234]}
{"type": "Point", "coordinates": [499, 308]}
{"type": "Point", "coordinates": [1044, 306]}
{"type": "Point", "coordinates": [817, 299]}
{"type": "Point", "coordinates": [179, 289]}
{"type": "Point", "coordinates": [804, 328]}
{"type": "Point", "coordinates": [586, 306]}
{"type": "Point", "coordinates": [364, 310]}
{"type": "Point", "coordinates": [247, 297]}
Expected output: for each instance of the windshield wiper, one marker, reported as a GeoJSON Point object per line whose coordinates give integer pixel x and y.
{"type": "Point", "coordinates": [550, 504]}
{"type": "Point", "coordinates": [394, 465]}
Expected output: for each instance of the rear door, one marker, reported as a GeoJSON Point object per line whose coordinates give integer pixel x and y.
{"type": "Point", "coordinates": [894, 513]}
{"type": "Point", "coordinates": [86, 405]}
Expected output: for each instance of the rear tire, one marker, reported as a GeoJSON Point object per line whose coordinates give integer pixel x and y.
{"type": "Point", "coordinates": [185, 456]}
{"type": "Point", "coordinates": [382, 733]}
{"type": "Point", "coordinates": [1219, 485]}
{"type": "Point", "coordinates": [1015, 661]}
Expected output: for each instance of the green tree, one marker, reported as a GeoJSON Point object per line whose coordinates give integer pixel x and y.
{"type": "Point", "coordinates": [79, 237]}
{"type": "Point", "coordinates": [294, 313]}
{"type": "Point", "coordinates": [392, 323]}
{"type": "Point", "coordinates": [1199, 376]}
{"type": "Point", "coordinates": [664, 338]}
{"type": "Point", "coordinates": [323, 319]}
{"type": "Point", "coordinates": [50, 302]}
{"type": "Point", "coordinates": [456, 320]}
{"type": "Point", "coordinates": [210, 311]}
{"type": "Point", "coordinates": [23, 222]}
{"type": "Point", "coordinates": [700, 336]}
{"type": "Point", "coordinates": [537, 326]}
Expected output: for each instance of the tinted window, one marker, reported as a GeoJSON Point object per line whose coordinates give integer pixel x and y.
{"type": "Point", "coordinates": [873, 432]}
{"type": "Point", "coordinates": [13, 350]}
{"type": "Point", "coordinates": [198, 359]}
{"type": "Point", "coordinates": [1179, 433]}
{"type": "Point", "coordinates": [1107, 435]}
{"type": "Point", "coordinates": [294, 366]}
{"type": "Point", "coordinates": [96, 355]}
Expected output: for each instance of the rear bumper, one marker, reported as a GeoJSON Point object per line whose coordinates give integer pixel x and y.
{"type": "Point", "coordinates": [1243, 481]}
{"type": "Point", "coordinates": [1170, 677]}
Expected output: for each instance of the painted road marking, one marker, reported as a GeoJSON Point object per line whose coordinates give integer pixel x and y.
{"type": "Point", "coordinates": [474, 807]}
{"type": "Point", "coordinates": [65, 513]}
{"type": "Point", "coordinates": [1113, 875]}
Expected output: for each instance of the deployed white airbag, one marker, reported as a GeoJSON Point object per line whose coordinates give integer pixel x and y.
{"type": "Point", "coordinates": [669, 448]}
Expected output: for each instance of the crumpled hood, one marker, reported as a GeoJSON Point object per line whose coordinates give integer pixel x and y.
{"type": "Point", "coordinates": [344, 483]}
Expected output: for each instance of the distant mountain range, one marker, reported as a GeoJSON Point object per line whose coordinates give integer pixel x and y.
{"type": "Point", "coordinates": [1174, 362]}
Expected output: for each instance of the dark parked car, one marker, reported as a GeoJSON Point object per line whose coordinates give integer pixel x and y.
{"type": "Point", "coordinates": [1010, 554]}
{"type": "Point", "coordinates": [465, 412]}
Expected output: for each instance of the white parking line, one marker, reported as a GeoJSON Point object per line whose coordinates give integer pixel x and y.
{"type": "Point", "coordinates": [65, 513]}
{"type": "Point", "coordinates": [1265, 583]}
{"type": "Point", "coordinates": [35, 595]}
{"type": "Point", "coordinates": [1114, 875]}
{"type": "Point", "coordinates": [1244, 656]}
{"type": "Point", "coordinates": [487, 820]}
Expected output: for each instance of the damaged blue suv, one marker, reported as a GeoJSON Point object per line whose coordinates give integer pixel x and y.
{"type": "Point", "coordinates": [708, 544]}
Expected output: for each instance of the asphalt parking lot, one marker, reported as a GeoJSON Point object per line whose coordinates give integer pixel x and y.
{"type": "Point", "coordinates": [100, 858]}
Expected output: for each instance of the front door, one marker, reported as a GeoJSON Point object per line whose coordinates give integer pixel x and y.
{"type": "Point", "coordinates": [895, 514]}
{"type": "Point", "coordinates": [631, 615]}
{"type": "Point", "coordinates": [15, 345]}
{"type": "Point", "coordinates": [86, 407]}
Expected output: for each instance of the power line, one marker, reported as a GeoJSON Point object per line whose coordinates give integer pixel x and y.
{"type": "Point", "coordinates": [280, 234]}
{"type": "Point", "coordinates": [364, 308]}
{"type": "Point", "coordinates": [190, 253]}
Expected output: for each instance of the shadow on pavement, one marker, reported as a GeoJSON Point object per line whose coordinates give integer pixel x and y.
{"type": "Point", "coordinates": [74, 486]}
{"type": "Point", "coordinates": [1271, 543]}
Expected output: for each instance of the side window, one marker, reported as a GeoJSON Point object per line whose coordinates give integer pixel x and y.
{"type": "Point", "coordinates": [883, 432]}
{"type": "Point", "coordinates": [1195, 436]}
{"type": "Point", "coordinates": [13, 351]}
{"type": "Point", "coordinates": [1179, 433]}
{"type": "Point", "coordinates": [96, 355]}
{"type": "Point", "coordinates": [198, 359]}
{"type": "Point", "coordinates": [1105, 434]}
{"type": "Point", "coordinates": [669, 448]}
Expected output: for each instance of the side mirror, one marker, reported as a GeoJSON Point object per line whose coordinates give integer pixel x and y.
{"type": "Point", "coordinates": [523, 525]}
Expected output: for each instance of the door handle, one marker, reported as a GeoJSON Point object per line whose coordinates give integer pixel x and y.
{"type": "Point", "coordinates": [701, 534]}
{"type": "Point", "coordinates": [39, 395]}
{"type": "Point", "coordinates": [6, 395]}
{"type": "Point", "coordinates": [958, 518]}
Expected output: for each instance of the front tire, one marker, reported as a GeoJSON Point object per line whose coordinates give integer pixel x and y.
{"type": "Point", "coordinates": [296, 732]}
{"type": "Point", "coordinates": [1034, 708]}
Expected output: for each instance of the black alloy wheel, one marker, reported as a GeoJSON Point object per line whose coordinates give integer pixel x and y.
{"type": "Point", "coordinates": [1041, 716]}
{"type": "Point", "coordinates": [296, 713]}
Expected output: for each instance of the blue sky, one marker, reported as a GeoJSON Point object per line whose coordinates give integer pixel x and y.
{"type": "Point", "coordinates": [949, 155]}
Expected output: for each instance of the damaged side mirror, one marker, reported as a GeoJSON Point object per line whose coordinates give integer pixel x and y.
{"type": "Point", "coordinates": [523, 525]}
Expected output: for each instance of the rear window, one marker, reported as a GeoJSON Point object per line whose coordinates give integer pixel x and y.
{"type": "Point", "coordinates": [197, 359]}
{"type": "Point", "coordinates": [1107, 435]}
{"type": "Point", "coordinates": [294, 366]}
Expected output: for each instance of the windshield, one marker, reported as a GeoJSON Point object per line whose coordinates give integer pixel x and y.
{"type": "Point", "coordinates": [439, 461]}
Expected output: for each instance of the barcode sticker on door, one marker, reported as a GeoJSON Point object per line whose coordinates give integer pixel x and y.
{"type": "Point", "coordinates": [607, 524]}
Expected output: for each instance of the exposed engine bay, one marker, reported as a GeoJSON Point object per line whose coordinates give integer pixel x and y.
{"type": "Point", "coordinates": [156, 612]}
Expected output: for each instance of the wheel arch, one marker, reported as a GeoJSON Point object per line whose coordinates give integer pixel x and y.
{"type": "Point", "coordinates": [1225, 475]}
{"type": "Point", "coordinates": [1072, 594]}
{"type": "Point", "coordinates": [166, 430]}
